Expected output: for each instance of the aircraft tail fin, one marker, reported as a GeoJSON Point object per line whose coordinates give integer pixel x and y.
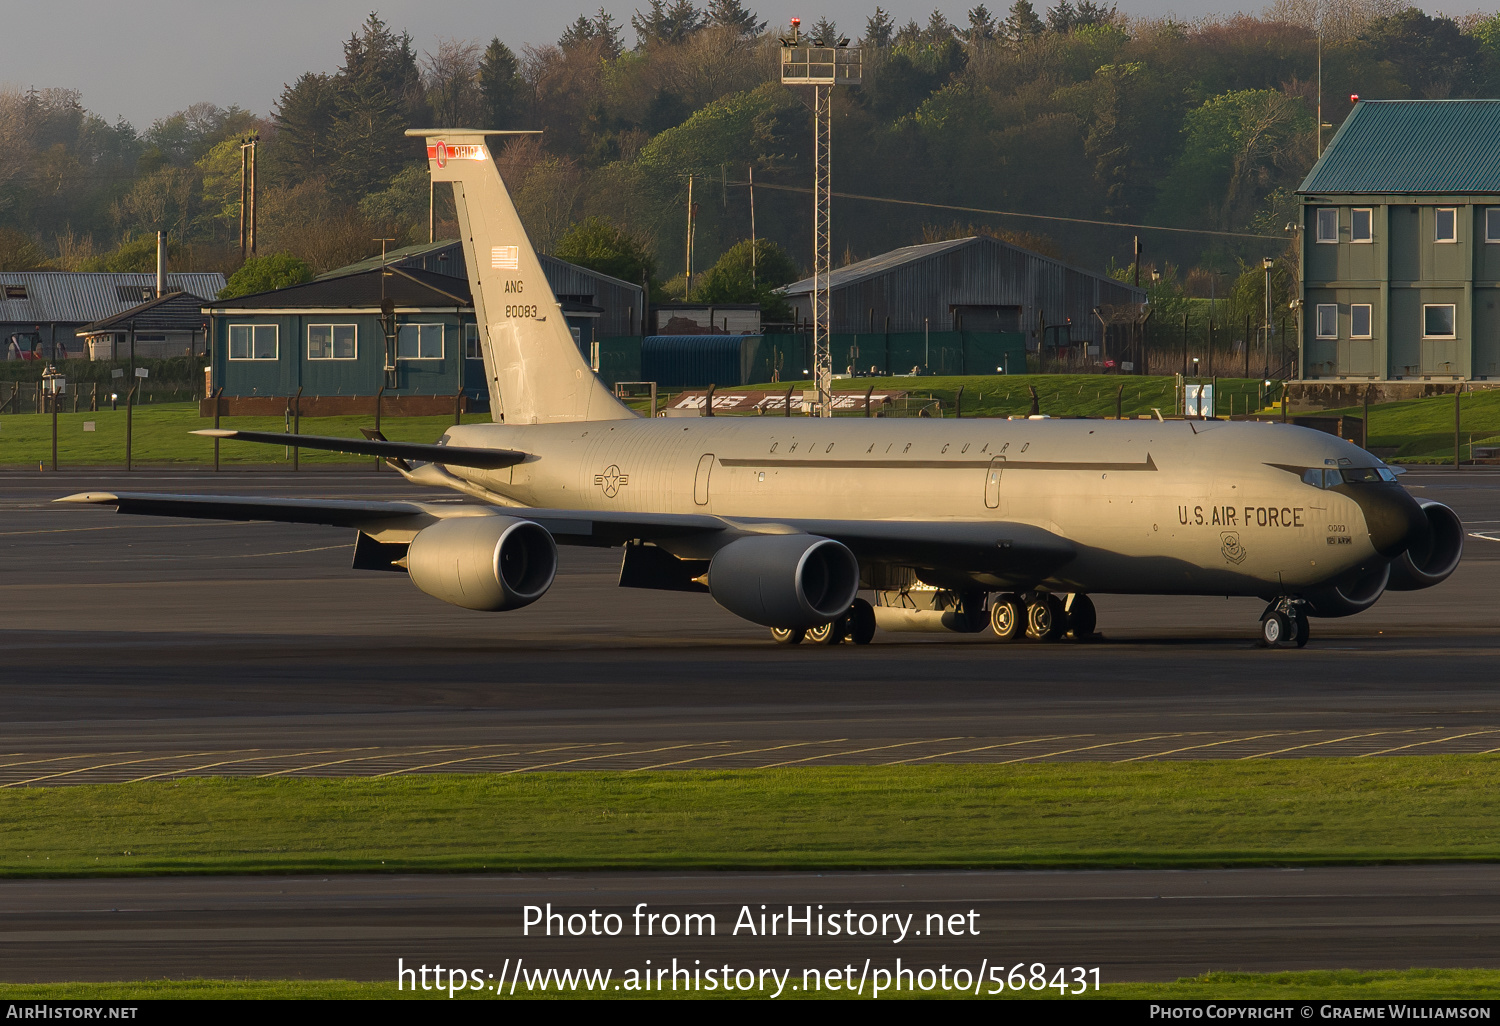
{"type": "Point", "coordinates": [530, 359]}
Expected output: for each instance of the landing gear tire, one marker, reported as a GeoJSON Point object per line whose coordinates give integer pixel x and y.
{"type": "Point", "coordinates": [828, 633]}
{"type": "Point", "coordinates": [1276, 630]}
{"type": "Point", "coordinates": [861, 621]}
{"type": "Point", "coordinates": [1082, 618]}
{"type": "Point", "coordinates": [1045, 619]}
{"type": "Point", "coordinates": [787, 635]}
{"type": "Point", "coordinates": [1302, 630]}
{"type": "Point", "coordinates": [1007, 617]}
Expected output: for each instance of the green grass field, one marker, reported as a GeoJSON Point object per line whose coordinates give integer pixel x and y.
{"type": "Point", "coordinates": [1344, 984]}
{"type": "Point", "coordinates": [160, 434]}
{"type": "Point", "coordinates": [1421, 430]}
{"type": "Point", "coordinates": [1277, 812]}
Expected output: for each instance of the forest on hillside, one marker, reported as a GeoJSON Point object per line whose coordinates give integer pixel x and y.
{"type": "Point", "coordinates": [1075, 111]}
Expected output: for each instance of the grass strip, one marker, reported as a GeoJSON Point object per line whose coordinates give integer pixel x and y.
{"type": "Point", "coordinates": [1337, 985]}
{"type": "Point", "coordinates": [1164, 814]}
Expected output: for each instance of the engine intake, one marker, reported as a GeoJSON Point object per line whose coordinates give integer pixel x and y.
{"type": "Point", "coordinates": [1354, 593]}
{"type": "Point", "coordinates": [491, 563]}
{"type": "Point", "coordinates": [1430, 559]}
{"type": "Point", "coordinates": [792, 581]}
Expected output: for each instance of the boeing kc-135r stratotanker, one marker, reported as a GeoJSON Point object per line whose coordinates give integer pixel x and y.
{"type": "Point", "coordinates": [951, 524]}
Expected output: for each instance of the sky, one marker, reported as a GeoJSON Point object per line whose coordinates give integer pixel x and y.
{"type": "Point", "coordinates": [148, 58]}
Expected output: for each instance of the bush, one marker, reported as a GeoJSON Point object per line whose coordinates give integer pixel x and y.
{"type": "Point", "coordinates": [265, 274]}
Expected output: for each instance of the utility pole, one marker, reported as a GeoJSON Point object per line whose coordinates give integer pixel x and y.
{"type": "Point", "coordinates": [248, 192]}
{"type": "Point", "coordinates": [687, 288]}
{"type": "Point", "coordinates": [824, 64]}
{"type": "Point", "coordinates": [752, 226]}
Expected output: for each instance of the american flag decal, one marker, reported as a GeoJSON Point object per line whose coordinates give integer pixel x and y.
{"type": "Point", "coordinates": [506, 258]}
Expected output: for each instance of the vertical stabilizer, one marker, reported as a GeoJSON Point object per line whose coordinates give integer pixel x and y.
{"type": "Point", "coordinates": [530, 358]}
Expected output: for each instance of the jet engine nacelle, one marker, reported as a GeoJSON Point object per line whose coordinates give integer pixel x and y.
{"type": "Point", "coordinates": [1352, 594]}
{"type": "Point", "coordinates": [1430, 560]}
{"type": "Point", "coordinates": [490, 563]}
{"type": "Point", "coordinates": [794, 581]}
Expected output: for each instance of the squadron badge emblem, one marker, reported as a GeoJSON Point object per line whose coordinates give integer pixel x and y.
{"type": "Point", "coordinates": [1233, 551]}
{"type": "Point", "coordinates": [611, 481]}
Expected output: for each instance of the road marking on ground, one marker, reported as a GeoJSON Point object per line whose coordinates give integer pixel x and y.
{"type": "Point", "coordinates": [1434, 741]}
{"type": "Point", "coordinates": [1213, 744]}
{"type": "Point", "coordinates": [128, 762]}
{"type": "Point", "coordinates": [985, 748]}
{"type": "Point", "coordinates": [1485, 535]}
{"type": "Point", "coordinates": [253, 758]}
{"type": "Point", "coordinates": [1330, 741]}
{"type": "Point", "coordinates": [617, 755]}
{"type": "Point", "coordinates": [1089, 748]}
{"type": "Point", "coordinates": [477, 758]}
{"type": "Point", "coordinates": [730, 755]}
{"type": "Point", "coordinates": [861, 751]}
{"type": "Point", "coordinates": [64, 758]}
{"type": "Point", "coordinates": [381, 754]}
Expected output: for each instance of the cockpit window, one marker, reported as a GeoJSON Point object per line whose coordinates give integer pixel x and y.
{"type": "Point", "coordinates": [1313, 477]}
{"type": "Point", "coordinates": [1361, 475]}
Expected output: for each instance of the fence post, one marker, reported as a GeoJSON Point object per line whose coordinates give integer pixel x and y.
{"type": "Point", "coordinates": [218, 406]}
{"type": "Point", "coordinates": [378, 395]}
{"type": "Point", "coordinates": [296, 425]}
{"type": "Point", "coordinates": [129, 420]}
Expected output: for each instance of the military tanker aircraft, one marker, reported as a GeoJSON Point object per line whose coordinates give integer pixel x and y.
{"type": "Point", "coordinates": [949, 524]}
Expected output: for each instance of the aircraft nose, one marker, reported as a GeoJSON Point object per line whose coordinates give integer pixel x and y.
{"type": "Point", "coordinates": [1395, 520]}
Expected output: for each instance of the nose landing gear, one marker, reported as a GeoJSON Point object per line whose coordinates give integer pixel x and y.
{"type": "Point", "coordinates": [1284, 624]}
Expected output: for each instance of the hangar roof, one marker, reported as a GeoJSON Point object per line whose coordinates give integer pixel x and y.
{"type": "Point", "coordinates": [76, 297]}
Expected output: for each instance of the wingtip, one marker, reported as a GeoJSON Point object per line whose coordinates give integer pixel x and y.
{"type": "Point", "coordinates": [90, 498]}
{"type": "Point", "coordinates": [215, 432]}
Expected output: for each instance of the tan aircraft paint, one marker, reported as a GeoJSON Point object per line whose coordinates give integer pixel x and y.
{"type": "Point", "coordinates": [1152, 506]}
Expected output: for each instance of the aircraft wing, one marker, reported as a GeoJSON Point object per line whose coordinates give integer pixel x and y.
{"type": "Point", "coordinates": [1013, 550]}
{"type": "Point", "coordinates": [452, 455]}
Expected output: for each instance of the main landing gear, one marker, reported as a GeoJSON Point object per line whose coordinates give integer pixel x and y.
{"type": "Point", "coordinates": [857, 626]}
{"type": "Point", "coordinates": [1284, 624]}
{"type": "Point", "coordinates": [1041, 616]}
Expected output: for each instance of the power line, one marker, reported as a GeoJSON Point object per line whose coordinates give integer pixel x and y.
{"type": "Point", "coordinates": [1016, 213]}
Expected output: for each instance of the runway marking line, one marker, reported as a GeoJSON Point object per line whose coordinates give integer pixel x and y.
{"type": "Point", "coordinates": [127, 762]}
{"type": "Point", "coordinates": [1330, 741]}
{"type": "Point", "coordinates": [729, 755]}
{"type": "Point", "coordinates": [1090, 748]}
{"type": "Point", "coordinates": [64, 758]}
{"type": "Point", "coordinates": [492, 755]}
{"type": "Point", "coordinates": [984, 748]}
{"type": "Point", "coordinates": [386, 754]}
{"type": "Point", "coordinates": [253, 758]}
{"type": "Point", "coordinates": [614, 755]}
{"type": "Point", "coordinates": [861, 751]}
{"type": "Point", "coordinates": [1434, 741]}
{"type": "Point", "coordinates": [1213, 744]}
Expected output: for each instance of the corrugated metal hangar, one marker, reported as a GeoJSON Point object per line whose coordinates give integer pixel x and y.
{"type": "Point", "coordinates": [45, 309]}
{"type": "Point", "coordinates": [974, 284]}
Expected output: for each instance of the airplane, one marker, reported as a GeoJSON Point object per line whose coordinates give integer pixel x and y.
{"type": "Point", "coordinates": [954, 525]}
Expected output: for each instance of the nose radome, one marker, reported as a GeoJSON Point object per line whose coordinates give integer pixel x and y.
{"type": "Point", "coordinates": [1394, 518]}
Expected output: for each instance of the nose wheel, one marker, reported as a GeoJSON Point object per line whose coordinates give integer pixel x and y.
{"type": "Point", "coordinates": [1284, 624]}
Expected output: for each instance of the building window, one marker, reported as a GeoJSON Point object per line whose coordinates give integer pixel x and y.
{"type": "Point", "coordinates": [419, 342]}
{"type": "Point", "coordinates": [1492, 224]}
{"type": "Point", "coordinates": [1359, 320]}
{"type": "Point", "coordinates": [472, 351]}
{"type": "Point", "coordinates": [252, 341]}
{"type": "Point", "coordinates": [1446, 225]}
{"type": "Point", "coordinates": [1439, 321]}
{"type": "Point", "coordinates": [1328, 224]}
{"type": "Point", "coordinates": [331, 342]}
{"type": "Point", "coordinates": [1328, 320]}
{"type": "Point", "coordinates": [15, 292]}
{"type": "Point", "coordinates": [1361, 225]}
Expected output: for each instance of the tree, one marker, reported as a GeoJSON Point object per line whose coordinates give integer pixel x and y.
{"type": "Point", "coordinates": [304, 121]}
{"type": "Point", "coordinates": [379, 94]}
{"type": "Point", "coordinates": [824, 32]}
{"type": "Point", "coordinates": [981, 26]}
{"type": "Point", "coordinates": [500, 86]}
{"type": "Point", "coordinates": [732, 14]}
{"type": "Point", "coordinates": [879, 28]}
{"type": "Point", "coordinates": [19, 253]}
{"type": "Point", "coordinates": [135, 255]}
{"type": "Point", "coordinates": [451, 78]}
{"type": "Point", "coordinates": [650, 27]}
{"type": "Point", "coordinates": [1023, 23]}
{"type": "Point", "coordinates": [266, 273]}
{"type": "Point", "coordinates": [682, 20]}
{"type": "Point", "coordinates": [601, 245]}
{"type": "Point", "coordinates": [735, 278]}
{"type": "Point", "coordinates": [1430, 55]}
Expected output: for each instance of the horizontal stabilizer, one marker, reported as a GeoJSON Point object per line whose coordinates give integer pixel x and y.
{"type": "Point", "coordinates": [332, 512]}
{"type": "Point", "coordinates": [451, 455]}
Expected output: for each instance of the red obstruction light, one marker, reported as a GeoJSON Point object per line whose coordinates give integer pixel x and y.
{"type": "Point", "coordinates": [1353, 97]}
{"type": "Point", "coordinates": [796, 21]}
